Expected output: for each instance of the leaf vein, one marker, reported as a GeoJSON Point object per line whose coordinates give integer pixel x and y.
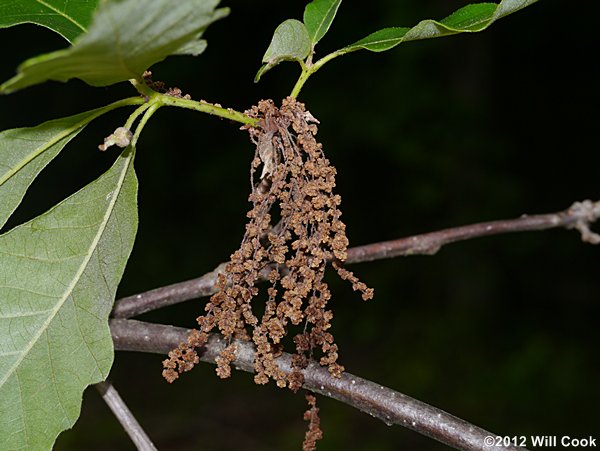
{"type": "Point", "coordinates": [61, 13]}
{"type": "Point", "coordinates": [77, 277]}
{"type": "Point", "coordinates": [24, 315]}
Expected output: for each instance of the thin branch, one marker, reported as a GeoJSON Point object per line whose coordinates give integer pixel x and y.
{"type": "Point", "coordinates": [378, 401]}
{"type": "Point", "coordinates": [112, 398]}
{"type": "Point", "coordinates": [579, 216]}
{"type": "Point", "coordinates": [167, 295]}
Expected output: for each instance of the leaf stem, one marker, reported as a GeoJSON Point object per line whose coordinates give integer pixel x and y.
{"type": "Point", "coordinates": [131, 119]}
{"type": "Point", "coordinates": [118, 104]}
{"type": "Point", "coordinates": [151, 109]}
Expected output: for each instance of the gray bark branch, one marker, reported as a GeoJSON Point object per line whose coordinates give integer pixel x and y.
{"type": "Point", "coordinates": [120, 410]}
{"type": "Point", "coordinates": [381, 402]}
{"type": "Point", "coordinates": [579, 216]}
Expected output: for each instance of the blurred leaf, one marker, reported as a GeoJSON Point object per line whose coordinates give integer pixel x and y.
{"type": "Point", "coordinates": [290, 42]}
{"type": "Point", "coordinates": [69, 18]}
{"type": "Point", "coordinates": [471, 18]}
{"type": "Point", "coordinates": [24, 152]}
{"type": "Point", "coordinates": [193, 48]}
{"type": "Point", "coordinates": [58, 278]}
{"type": "Point", "coordinates": [125, 38]}
{"type": "Point", "coordinates": [318, 16]}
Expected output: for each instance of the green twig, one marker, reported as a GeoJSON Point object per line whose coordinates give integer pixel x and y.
{"type": "Point", "coordinates": [205, 107]}
{"type": "Point", "coordinates": [130, 101]}
{"type": "Point", "coordinates": [305, 75]}
{"type": "Point", "coordinates": [309, 69]}
{"type": "Point", "coordinates": [202, 106]}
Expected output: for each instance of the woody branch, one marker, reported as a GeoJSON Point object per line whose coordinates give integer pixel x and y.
{"type": "Point", "coordinates": [579, 216]}
{"type": "Point", "coordinates": [388, 405]}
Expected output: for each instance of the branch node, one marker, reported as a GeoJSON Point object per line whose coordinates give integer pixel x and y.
{"type": "Point", "coordinates": [586, 212]}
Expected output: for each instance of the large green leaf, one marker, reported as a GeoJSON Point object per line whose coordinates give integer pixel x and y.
{"type": "Point", "coordinates": [24, 152]}
{"type": "Point", "coordinates": [125, 38]}
{"type": "Point", "coordinates": [290, 42]}
{"type": "Point", "coordinates": [68, 18]}
{"type": "Point", "coordinates": [58, 278]}
{"type": "Point", "coordinates": [470, 19]}
{"type": "Point", "coordinates": [318, 16]}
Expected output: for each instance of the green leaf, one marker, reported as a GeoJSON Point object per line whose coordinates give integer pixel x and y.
{"type": "Point", "coordinates": [318, 16]}
{"type": "Point", "coordinates": [193, 48]}
{"type": "Point", "coordinates": [379, 41]}
{"type": "Point", "coordinates": [290, 42]}
{"type": "Point", "coordinates": [58, 278]}
{"type": "Point", "coordinates": [125, 38]}
{"type": "Point", "coordinates": [24, 152]}
{"type": "Point", "coordinates": [470, 19]}
{"type": "Point", "coordinates": [69, 18]}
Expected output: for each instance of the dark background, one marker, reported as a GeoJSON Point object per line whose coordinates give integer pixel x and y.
{"type": "Point", "coordinates": [500, 331]}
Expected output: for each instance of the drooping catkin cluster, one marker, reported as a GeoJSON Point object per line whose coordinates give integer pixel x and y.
{"type": "Point", "coordinates": [296, 184]}
{"type": "Point", "coordinates": [314, 432]}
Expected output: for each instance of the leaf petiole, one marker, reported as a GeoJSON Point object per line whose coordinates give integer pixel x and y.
{"type": "Point", "coordinates": [138, 111]}
{"type": "Point", "coordinates": [151, 109]}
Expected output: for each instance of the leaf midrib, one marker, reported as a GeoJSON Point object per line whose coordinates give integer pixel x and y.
{"type": "Point", "coordinates": [325, 17]}
{"type": "Point", "coordinates": [480, 23]}
{"type": "Point", "coordinates": [65, 133]}
{"type": "Point", "coordinates": [78, 274]}
{"type": "Point", "coordinates": [37, 152]}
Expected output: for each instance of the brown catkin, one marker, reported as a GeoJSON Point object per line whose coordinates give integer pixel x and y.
{"type": "Point", "coordinates": [295, 185]}
{"type": "Point", "coordinates": [313, 432]}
